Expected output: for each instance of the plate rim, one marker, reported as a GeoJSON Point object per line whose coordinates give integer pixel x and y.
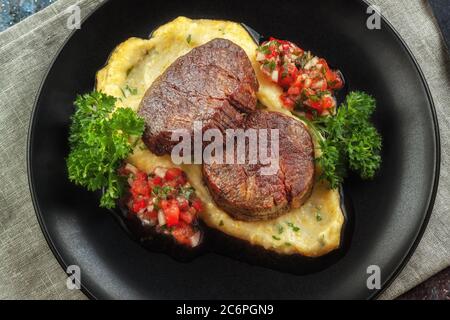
{"type": "Point", "coordinates": [389, 279]}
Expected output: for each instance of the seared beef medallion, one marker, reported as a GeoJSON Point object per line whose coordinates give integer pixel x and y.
{"type": "Point", "coordinates": [214, 83]}
{"type": "Point", "coordinates": [245, 194]}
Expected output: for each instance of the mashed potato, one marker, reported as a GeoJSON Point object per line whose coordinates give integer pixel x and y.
{"type": "Point", "coordinates": [312, 230]}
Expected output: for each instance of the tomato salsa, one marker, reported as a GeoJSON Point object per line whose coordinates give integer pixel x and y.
{"type": "Point", "coordinates": [308, 82]}
{"type": "Point", "coordinates": [165, 200]}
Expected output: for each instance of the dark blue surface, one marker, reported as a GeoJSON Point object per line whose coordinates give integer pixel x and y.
{"type": "Point", "coordinates": [441, 9]}
{"type": "Point", "coordinates": [13, 11]}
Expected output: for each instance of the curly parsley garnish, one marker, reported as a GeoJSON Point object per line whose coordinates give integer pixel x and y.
{"type": "Point", "coordinates": [100, 138]}
{"type": "Point", "coordinates": [350, 140]}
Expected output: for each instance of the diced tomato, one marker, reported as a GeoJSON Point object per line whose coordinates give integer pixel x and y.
{"type": "Point", "coordinates": [320, 84]}
{"type": "Point", "coordinates": [287, 75]}
{"type": "Point", "coordinates": [316, 105]}
{"type": "Point", "coordinates": [189, 215]}
{"type": "Point", "coordinates": [336, 84]}
{"type": "Point", "coordinates": [287, 101]}
{"type": "Point", "coordinates": [142, 176]}
{"type": "Point", "coordinates": [151, 215]}
{"type": "Point", "coordinates": [173, 173]}
{"type": "Point", "coordinates": [327, 102]}
{"type": "Point", "coordinates": [181, 180]}
{"type": "Point", "coordinates": [183, 203]}
{"type": "Point", "coordinates": [164, 204]}
{"type": "Point", "coordinates": [294, 91]}
{"type": "Point", "coordinates": [186, 216]}
{"type": "Point", "coordinates": [309, 115]}
{"type": "Point", "coordinates": [156, 181]}
{"type": "Point", "coordinates": [273, 53]}
{"type": "Point", "coordinates": [197, 205]}
{"type": "Point", "coordinates": [138, 205]}
{"type": "Point", "coordinates": [334, 80]}
{"type": "Point", "coordinates": [171, 183]}
{"type": "Point", "coordinates": [298, 81]}
{"type": "Point", "coordinates": [183, 233]}
{"type": "Point", "coordinates": [324, 64]}
{"type": "Point", "coordinates": [140, 187]}
{"type": "Point", "coordinates": [172, 215]}
{"type": "Point", "coordinates": [308, 92]}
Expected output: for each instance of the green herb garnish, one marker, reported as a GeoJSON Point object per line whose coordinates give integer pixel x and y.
{"type": "Point", "coordinates": [303, 60]}
{"type": "Point", "coordinates": [276, 238]}
{"type": "Point", "coordinates": [187, 192]}
{"type": "Point", "coordinates": [319, 216]}
{"type": "Point", "coordinates": [264, 49]}
{"type": "Point", "coordinates": [162, 192]}
{"type": "Point", "coordinates": [99, 140]}
{"type": "Point", "coordinates": [322, 240]}
{"type": "Point", "coordinates": [293, 226]}
{"type": "Point", "coordinates": [271, 65]}
{"type": "Point", "coordinates": [189, 38]}
{"type": "Point", "coordinates": [350, 140]}
{"type": "Point", "coordinates": [129, 91]}
{"type": "Point", "coordinates": [280, 228]}
{"type": "Point", "coordinates": [221, 223]}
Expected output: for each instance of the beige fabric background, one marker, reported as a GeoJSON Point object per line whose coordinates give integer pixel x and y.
{"type": "Point", "coordinates": [27, 267]}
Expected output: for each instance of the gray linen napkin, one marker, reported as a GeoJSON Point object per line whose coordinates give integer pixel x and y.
{"type": "Point", "coordinates": [29, 270]}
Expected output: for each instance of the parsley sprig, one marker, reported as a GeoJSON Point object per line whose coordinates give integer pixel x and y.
{"type": "Point", "coordinates": [100, 138]}
{"type": "Point", "coordinates": [350, 140]}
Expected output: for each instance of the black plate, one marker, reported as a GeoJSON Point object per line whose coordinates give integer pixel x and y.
{"type": "Point", "coordinates": [390, 213]}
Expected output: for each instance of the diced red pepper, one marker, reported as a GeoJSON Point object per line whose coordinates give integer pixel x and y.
{"type": "Point", "coordinates": [287, 101]}
{"type": "Point", "coordinates": [197, 205]}
{"type": "Point", "coordinates": [171, 183]}
{"type": "Point", "coordinates": [287, 75]}
{"type": "Point", "coordinates": [183, 203]}
{"type": "Point", "coordinates": [138, 205]}
{"type": "Point", "coordinates": [183, 233]}
{"type": "Point", "coordinates": [173, 173]}
{"type": "Point", "coordinates": [316, 105]}
{"type": "Point", "coordinates": [140, 187]}
{"type": "Point", "coordinates": [164, 204]}
{"type": "Point", "coordinates": [152, 215]}
{"type": "Point", "coordinates": [142, 176]}
{"type": "Point", "coordinates": [327, 102]}
{"type": "Point", "coordinates": [294, 91]}
{"type": "Point", "coordinates": [156, 181]}
{"type": "Point", "coordinates": [181, 180]}
{"type": "Point", "coordinates": [186, 216]}
{"type": "Point", "coordinates": [172, 215]}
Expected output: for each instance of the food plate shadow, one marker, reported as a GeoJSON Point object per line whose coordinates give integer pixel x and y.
{"type": "Point", "coordinates": [216, 242]}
